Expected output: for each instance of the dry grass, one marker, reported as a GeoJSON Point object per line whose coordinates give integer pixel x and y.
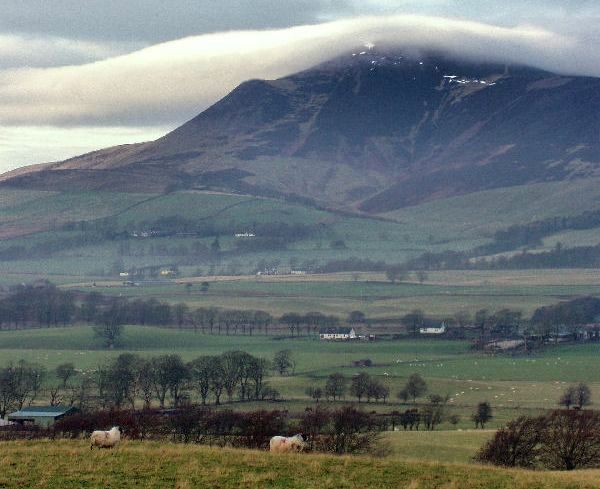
{"type": "Point", "coordinates": [70, 464]}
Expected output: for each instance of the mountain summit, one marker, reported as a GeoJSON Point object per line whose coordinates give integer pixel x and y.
{"type": "Point", "coordinates": [371, 131]}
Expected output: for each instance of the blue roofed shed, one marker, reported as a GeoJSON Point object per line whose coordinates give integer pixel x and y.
{"type": "Point", "coordinates": [43, 416]}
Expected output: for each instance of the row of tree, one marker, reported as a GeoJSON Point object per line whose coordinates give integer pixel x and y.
{"type": "Point", "coordinates": [130, 380]}
{"type": "Point", "coordinates": [362, 386]}
{"type": "Point", "coordinates": [44, 304]}
{"type": "Point", "coordinates": [268, 235]}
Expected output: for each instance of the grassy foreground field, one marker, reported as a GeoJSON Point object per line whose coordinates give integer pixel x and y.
{"type": "Point", "coordinates": [70, 464]}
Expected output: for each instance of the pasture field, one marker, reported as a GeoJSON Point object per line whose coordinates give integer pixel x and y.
{"type": "Point", "coordinates": [513, 385]}
{"type": "Point", "coordinates": [482, 213]}
{"type": "Point", "coordinates": [10, 198]}
{"type": "Point", "coordinates": [70, 464]}
{"type": "Point", "coordinates": [436, 446]}
{"type": "Point", "coordinates": [39, 219]}
{"type": "Point", "coordinates": [441, 295]}
{"type": "Point", "coordinates": [29, 218]}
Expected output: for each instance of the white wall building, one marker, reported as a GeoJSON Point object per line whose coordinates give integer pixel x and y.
{"type": "Point", "coordinates": [337, 334]}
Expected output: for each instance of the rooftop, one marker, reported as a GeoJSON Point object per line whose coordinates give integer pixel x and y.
{"type": "Point", "coordinates": [335, 330]}
{"type": "Point", "coordinates": [41, 411]}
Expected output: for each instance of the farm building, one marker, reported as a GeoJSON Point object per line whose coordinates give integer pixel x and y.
{"type": "Point", "coordinates": [504, 345]}
{"type": "Point", "coordinates": [337, 334]}
{"type": "Point", "coordinates": [42, 416]}
{"type": "Point", "coordinates": [440, 330]}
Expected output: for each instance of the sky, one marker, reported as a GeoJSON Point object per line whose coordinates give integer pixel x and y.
{"type": "Point", "coordinates": [80, 75]}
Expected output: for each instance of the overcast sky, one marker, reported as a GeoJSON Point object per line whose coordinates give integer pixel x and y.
{"type": "Point", "coordinates": [78, 75]}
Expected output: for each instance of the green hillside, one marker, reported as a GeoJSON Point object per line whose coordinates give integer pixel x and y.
{"type": "Point", "coordinates": [70, 236]}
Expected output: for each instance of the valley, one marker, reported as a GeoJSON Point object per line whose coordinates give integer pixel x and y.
{"type": "Point", "coordinates": [445, 210]}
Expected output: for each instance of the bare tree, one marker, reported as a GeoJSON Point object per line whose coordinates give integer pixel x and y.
{"type": "Point", "coordinates": [64, 372]}
{"type": "Point", "coordinates": [217, 379]}
{"type": "Point", "coordinates": [359, 385]}
{"type": "Point", "coordinates": [315, 393]}
{"type": "Point", "coordinates": [415, 387]}
{"type": "Point", "coordinates": [231, 368]}
{"type": "Point", "coordinates": [27, 379]}
{"type": "Point", "coordinates": [396, 274]}
{"type": "Point", "coordinates": [55, 395]}
{"type": "Point", "coordinates": [7, 390]}
{"type": "Point", "coordinates": [201, 372]}
{"type": "Point", "coordinates": [578, 396]}
{"type": "Point", "coordinates": [571, 440]}
{"type": "Point", "coordinates": [516, 445]}
{"type": "Point", "coordinates": [109, 331]}
{"type": "Point", "coordinates": [335, 387]}
{"type": "Point", "coordinates": [283, 362]}
{"type": "Point", "coordinates": [145, 380]}
{"type": "Point", "coordinates": [563, 440]}
{"type": "Point", "coordinates": [482, 414]}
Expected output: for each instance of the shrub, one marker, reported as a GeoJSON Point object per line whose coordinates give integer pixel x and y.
{"type": "Point", "coordinates": [516, 445]}
{"type": "Point", "coordinates": [563, 440]}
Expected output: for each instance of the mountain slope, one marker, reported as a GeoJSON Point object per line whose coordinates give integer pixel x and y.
{"type": "Point", "coordinates": [372, 131]}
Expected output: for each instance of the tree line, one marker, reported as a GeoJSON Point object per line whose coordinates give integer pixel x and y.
{"type": "Point", "coordinates": [269, 235]}
{"type": "Point", "coordinates": [47, 305]}
{"type": "Point", "coordinates": [131, 380]}
{"type": "Point", "coordinates": [531, 234]}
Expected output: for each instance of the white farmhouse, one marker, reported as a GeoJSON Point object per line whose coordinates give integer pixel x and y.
{"type": "Point", "coordinates": [337, 334]}
{"type": "Point", "coordinates": [440, 330]}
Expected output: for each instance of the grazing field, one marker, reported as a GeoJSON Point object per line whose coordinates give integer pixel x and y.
{"type": "Point", "coordinates": [39, 219]}
{"type": "Point", "coordinates": [70, 464]}
{"type": "Point", "coordinates": [513, 385]}
{"type": "Point", "coordinates": [460, 223]}
{"type": "Point", "coordinates": [442, 294]}
{"type": "Point", "coordinates": [482, 213]}
{"type": "Point", "coordinates": [437, 446]}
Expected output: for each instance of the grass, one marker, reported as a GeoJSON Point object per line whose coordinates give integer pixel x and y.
{"type": "Point", "coordinates": [437, 446]}
{"type": "Point", "coordinates": [69, 464]}
{"type": "Point", "coordinates": [513, 385]}
{"type": "Point", "coordinates": [13, 197]}
{"type": "Point", "coordinates": [442, 295]}
{"type": "Point", "coordinates": [40, 218]}
{"type": "Point", "coordinates": [48, 208]}
{"type": "Point", "coordinates": [482, 213]}
{"type": "Point", "coordinates": [458, 223]}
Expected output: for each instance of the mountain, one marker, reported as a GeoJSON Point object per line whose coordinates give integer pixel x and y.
{"type": "Point", "coordinates": [372, 131]}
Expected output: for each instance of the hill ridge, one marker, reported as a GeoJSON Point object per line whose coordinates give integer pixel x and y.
{"type": "Point", "coordinates": [371, 131]}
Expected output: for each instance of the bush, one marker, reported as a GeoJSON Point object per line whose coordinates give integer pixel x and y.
{"type": "Point", "coordinates": [516, 445]}
{"type": "Point", "coordinates": [563, 440]}
{"type": "Point", "coordinates": [571, 440]}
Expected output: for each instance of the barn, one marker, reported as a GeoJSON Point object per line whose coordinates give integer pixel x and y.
{"type": "Point", "coordinates": [42, 416]}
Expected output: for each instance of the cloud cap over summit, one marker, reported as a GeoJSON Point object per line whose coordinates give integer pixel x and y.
{"type": "Point", "coordinates": [174, 80]}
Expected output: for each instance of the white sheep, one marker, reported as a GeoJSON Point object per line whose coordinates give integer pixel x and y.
{"type": "Point", "coordinates": [105, 439]}
{"type": "Point", "coordinates": [286, 444]}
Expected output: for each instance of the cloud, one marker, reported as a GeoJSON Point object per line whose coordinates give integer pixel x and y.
{"type": "Point", "coordinates": [25, 145]}
{"type": "Point", "coordinates": [175, 80]}
{"type": "Point", "coordinates": [153, 21]}
{"type": "Point", "coordinates": [44, 51]}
